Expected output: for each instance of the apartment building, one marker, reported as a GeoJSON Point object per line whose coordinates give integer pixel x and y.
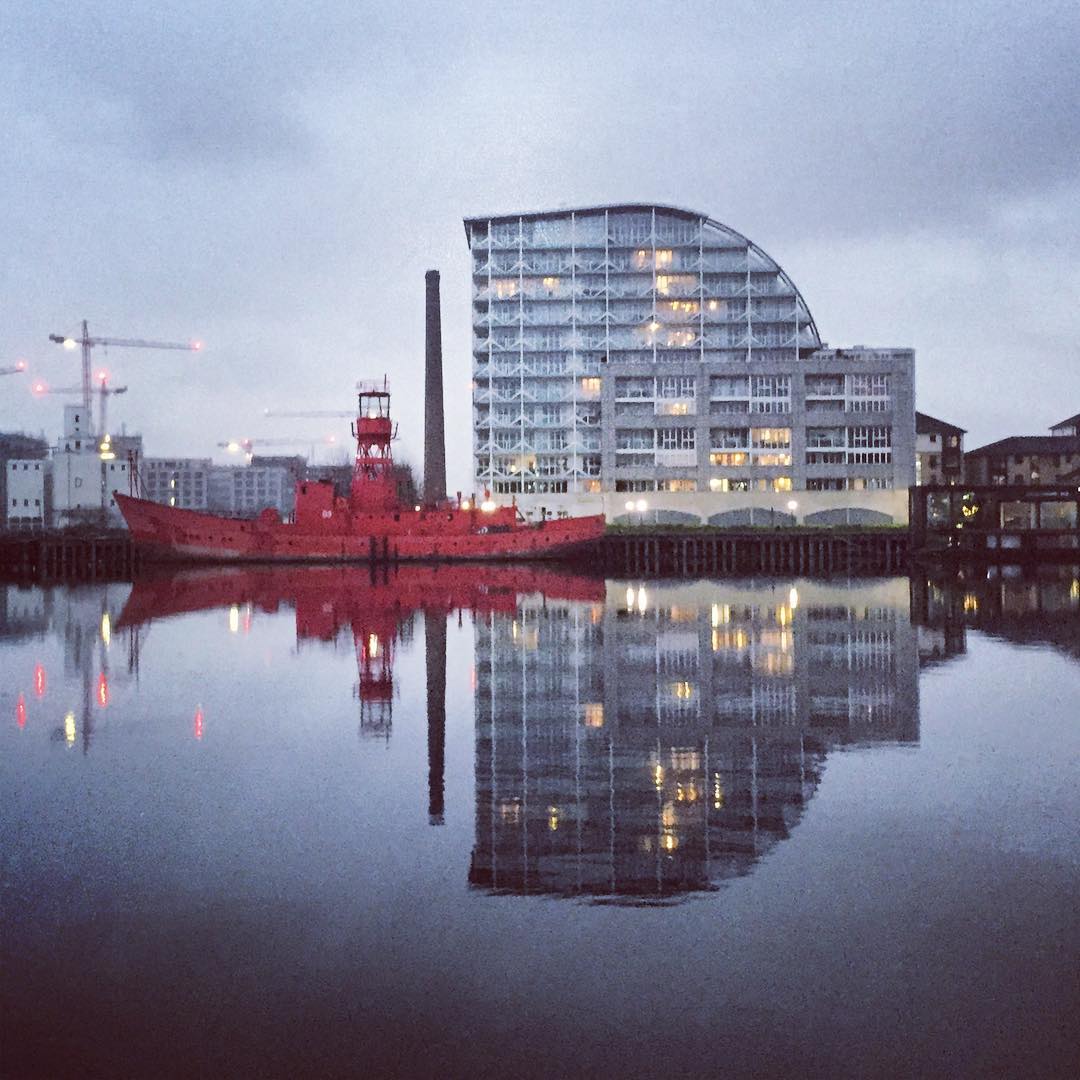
{"type": "Point", "coordinates": [640, 348]}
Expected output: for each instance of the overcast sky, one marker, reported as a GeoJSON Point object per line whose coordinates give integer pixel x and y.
{"type": "Point", "coordinates": [274, 179]}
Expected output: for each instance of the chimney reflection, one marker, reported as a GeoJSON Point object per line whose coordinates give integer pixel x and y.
{"type": "Point", "coordinates": [669, 742]}
{"type": "Point", "coordinates": [435, 659]}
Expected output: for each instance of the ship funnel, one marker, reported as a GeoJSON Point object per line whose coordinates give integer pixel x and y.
{"type": "Point", "coordinates": [434, 426]}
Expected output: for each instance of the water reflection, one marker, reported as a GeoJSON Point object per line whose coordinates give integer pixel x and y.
{"type": "Point", "coordinates": [82, 619]}
{"type": "Point", "coordinates": [657, 743]}
{"type": "Point", "coordinates": [1040, 606]}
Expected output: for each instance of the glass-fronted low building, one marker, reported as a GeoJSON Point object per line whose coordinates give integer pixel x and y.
{"type": "Point", "coordinates": [637, 348]}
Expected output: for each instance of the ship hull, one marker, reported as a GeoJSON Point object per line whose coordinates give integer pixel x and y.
{"type": "Point", "coordinates": [170, 534]}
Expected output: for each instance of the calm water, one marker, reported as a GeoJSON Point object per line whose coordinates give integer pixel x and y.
{"type": "Point", "coordinates": [517, 824]}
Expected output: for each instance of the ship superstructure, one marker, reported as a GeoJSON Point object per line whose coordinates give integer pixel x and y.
{"type": "Point", "coordinates": [370, 524]}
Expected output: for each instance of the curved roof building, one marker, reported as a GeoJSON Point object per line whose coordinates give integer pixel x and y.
{"type": "Point", "coordinates": [608, 339]}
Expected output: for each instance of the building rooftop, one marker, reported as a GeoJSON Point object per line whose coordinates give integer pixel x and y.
{"type": "Point", "coordinates": [1073, 421]}
{"type": "Point", "coordinates": [925, 424]}
{"type": "Point", "coordinates": [1031, 444]}
{"type": "Point", "coordinates": [566, 211]}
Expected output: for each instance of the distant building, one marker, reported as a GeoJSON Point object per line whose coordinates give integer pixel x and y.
{"type": "Point", "coordinates": [25, 494]}
{"type": "Point", "coordinates": [233, 490]}
{"type": "Point", "coordinates": [85, 475]}
{"type": "Point", "coordinates": [338, 475]}
{"type": "Point", "coordinates": [17, 450]}
{"type": "Point", "coordinates": [939, 451]}
{"type": "Point", "coordinates": [1067, 427]}
{"type": "Point", "coordinates": [1024, 459]}
{"type": "Point", "coordinates": [635, 349]}
{"type": "Point", "coordinates": [182, 482]}
{"type": "Point", "coordinates": [246, 490]}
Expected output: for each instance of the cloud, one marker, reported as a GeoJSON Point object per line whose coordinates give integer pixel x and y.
{"type": "Point", "coordinates": [275, 177]}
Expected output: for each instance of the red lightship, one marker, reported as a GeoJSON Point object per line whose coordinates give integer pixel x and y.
{"type": "Point", "coordinates": [370, 525]}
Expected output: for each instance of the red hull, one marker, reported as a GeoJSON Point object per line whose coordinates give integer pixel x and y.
{"type": "Point", "coordinates": [328, 597]}
{"type": "Point", "coordinates": [166, 532]}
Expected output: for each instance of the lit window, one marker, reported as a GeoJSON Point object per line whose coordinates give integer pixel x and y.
{"type": "Point", "coordinates": [590, 385]}
{"type": "Point", "coordinates": [770, 438]}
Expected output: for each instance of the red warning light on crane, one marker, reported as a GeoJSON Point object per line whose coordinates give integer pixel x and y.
{"type": "Point", "coordinates": [39, 680]}
{"type": "Point", "coordinates": [20, 712]}
{"type": "Point", "coordinates": [103, 690]}
{"type": "Point", "coordinates": [198, 721]}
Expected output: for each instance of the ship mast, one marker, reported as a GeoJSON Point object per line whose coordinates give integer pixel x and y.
{"type": "Point", "coordinates": [374, 486]}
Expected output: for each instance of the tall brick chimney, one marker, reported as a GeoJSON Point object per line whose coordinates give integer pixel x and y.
{"type": "Point", "coordinates": [434, 426]}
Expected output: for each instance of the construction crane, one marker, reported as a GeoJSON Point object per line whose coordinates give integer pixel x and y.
{"type": "Point", "coordinates": [103, 390]}
{"type": "Point", "coordinates": [236, 446]}
{"type": "Point", "coordinates": [16, 369]}
{"type": "Point", "coordinates": [87, 342]}
{"type": "Point", "coordinates": [317, 414]}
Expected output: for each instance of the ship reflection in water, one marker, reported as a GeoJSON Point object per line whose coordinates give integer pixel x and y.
{"type": "Point", "coordinates": [376, 606]}
{"type": "Point", "coordinates": [660, 742]}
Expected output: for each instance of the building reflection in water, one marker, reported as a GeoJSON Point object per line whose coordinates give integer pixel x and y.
{"type": "Point", "coordinates": [663, 741]}
{"type": "Point", "coordinates": [1039, 605]}
{"type": "Point", "coordinates": [82, 619]}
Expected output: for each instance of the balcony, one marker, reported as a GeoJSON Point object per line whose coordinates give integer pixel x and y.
{"type": "Point", "coordinates": [677, 458]}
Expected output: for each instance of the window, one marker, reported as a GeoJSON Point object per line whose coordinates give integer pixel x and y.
{"type": "Point", "coordinates": [729, 483]}
{"type": "Point", "coordinates": [728, 460]}
{"type": "Point", "coordinates": [590, 385]}
{"type": "Point", "coordinates": [668, 284]}
{"type": "Point", "coordinates": [729, 386]}
{"type": "Point", "coordinates": [869, 436]}
{"type": "Point", "coordinates": [680, 338]}
{"type": "Point", "coordinates": [770, 438]}
{"type": "Point", "coordinates": [675, 386]}
{"type": "Point", "coordinates": [635, 388]}
{"type": "Point", "coordinates": [634, 439]}
{"type": "Point", "coordinates": [772, 386]}
{"type": "Point", "coordinates": [771, 394]}
{"type": "Point", "coordinates": [820, 437]}
{"type": "Point", "coordinates": [868, 385]}
{"type": "Point", "coordinates": [677, 438]}
{"type": "Point", "coordinates": [824, 385]}
{"type": "Point", "coordinates": [729, 438]}
{"type": "Point", "coordinates": [677, 485]}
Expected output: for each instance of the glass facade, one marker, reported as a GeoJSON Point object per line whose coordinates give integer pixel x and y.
{"type": "Point", "coordinates": [610, 342]}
